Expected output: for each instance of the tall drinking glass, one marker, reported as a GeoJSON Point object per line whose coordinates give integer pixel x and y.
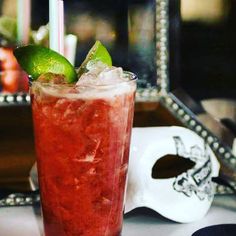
{"type": "Point", "coordinates": [82, 138]}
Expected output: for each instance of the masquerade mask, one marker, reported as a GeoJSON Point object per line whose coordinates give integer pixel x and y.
{"type": "Point", "coordinates": [170, 172]}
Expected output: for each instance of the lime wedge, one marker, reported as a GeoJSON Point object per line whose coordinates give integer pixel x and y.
{"type": "Point", "coordinates": [98, 53]}
{"type": "Point", "coordinates": [37, 60]}
{"type": "Point", "coordinates": [8, 28]}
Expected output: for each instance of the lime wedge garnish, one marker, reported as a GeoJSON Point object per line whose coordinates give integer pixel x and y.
{"type": "Point", "coordinates": [37, 60]}
{"type": "Point", "coordinates": [97, 53]}
{"type": "Point", "coordinates": [8, 28]}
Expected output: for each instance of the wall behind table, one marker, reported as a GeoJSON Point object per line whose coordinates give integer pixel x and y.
{"type": "Point", "coordinates": [16, 146]}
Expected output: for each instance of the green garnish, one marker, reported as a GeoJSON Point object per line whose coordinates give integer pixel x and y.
{"type": "Point", "coordinates": [37, 60]}
{"type": "Point", "coordinates": [98, 53]}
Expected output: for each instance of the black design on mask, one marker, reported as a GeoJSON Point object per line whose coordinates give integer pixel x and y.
{"type": "Point", "coordinates": [198, 179]}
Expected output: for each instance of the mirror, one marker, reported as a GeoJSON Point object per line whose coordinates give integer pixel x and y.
{"type": "Point", "coordinates": [127, 28]}
{"type": "Point", "coordinates": [208, 49]}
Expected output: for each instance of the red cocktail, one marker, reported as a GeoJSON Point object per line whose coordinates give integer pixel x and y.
{"type": "Point", "coordinates": [82, 137]}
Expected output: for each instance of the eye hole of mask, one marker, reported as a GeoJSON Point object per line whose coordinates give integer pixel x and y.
{"type": "Point", "coordinates": [171, 166]}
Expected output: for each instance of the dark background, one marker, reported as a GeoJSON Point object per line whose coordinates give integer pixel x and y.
{"type": "Point", "coordinates": [207, 56]}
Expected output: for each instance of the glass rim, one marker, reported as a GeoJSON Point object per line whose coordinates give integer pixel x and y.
{"type": "Point", "coordinates": [132, 78]}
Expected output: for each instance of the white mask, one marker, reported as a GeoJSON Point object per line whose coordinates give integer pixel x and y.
{"type": "Point", "coordinates": [184, 198]}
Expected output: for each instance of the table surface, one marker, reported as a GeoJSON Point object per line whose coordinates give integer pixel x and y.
{"type": "Point", "coordinates": [26, 221]}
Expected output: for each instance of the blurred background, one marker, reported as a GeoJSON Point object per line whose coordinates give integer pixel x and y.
{"type": "Point", "coordinates": [207, 59]}
{"type": "Point", "coordinates": [126, 28]}
{"type": "Point", "coordinates": [202, 39]}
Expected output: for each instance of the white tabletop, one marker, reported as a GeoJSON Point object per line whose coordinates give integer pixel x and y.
{"type": "Point", "coordinates": [25, 221]}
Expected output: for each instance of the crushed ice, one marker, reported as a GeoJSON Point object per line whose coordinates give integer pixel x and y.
{"type": "Point", "coordinates": [101, 74]}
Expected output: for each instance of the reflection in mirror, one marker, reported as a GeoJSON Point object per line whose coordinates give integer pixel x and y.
{"type": "Point", "coordinates": [127, 28]}
{"type": "Point", "coordinates": [12, 79]}
{"type": "Point", "coordinates": [208, 49]}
